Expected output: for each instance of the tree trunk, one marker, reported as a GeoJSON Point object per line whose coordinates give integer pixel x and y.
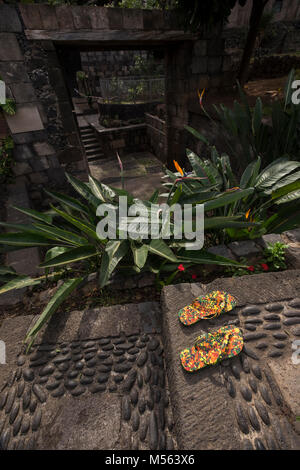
{"type": "Point", "coordinates": [256, 14]}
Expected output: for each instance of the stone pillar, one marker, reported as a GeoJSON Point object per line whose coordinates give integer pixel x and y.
{"type": "Point", "coordinates": [43, 129]}
{"type": "Point", "coordinates": [192, 66]}
{"type": "Point", "coordinates": [178, 66]}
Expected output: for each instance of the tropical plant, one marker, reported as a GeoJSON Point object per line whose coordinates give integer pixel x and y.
{"type": "Point", "coordinates": [68, 233]}
{"type": "Point", "coordinates": [250, 133]}
{"type": "Point", "coordinates": [269, 199]}
{"type": "Point", "coordinates": [275, 255]}
{"type": "Point", "coordinates": [273, 259]}
{"type": "Point", "coordinates": [9, 107]}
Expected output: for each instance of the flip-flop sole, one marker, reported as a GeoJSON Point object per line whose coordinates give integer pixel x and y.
{"type": "Point", "coordinates": [206, 306]}
{"type": "Point", "coordinates": [193, 359]}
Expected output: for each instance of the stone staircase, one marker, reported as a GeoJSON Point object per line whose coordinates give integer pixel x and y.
{"type": "Point", "coordinates": [90, 143]}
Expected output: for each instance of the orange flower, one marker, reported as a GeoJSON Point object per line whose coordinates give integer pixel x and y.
{"type": "Point", "coordinates": [200, 95]}
{"type": "Point", "coordinates": [232, 189]}
{"type": "Point", "coordinates": [178, 167]}
{"type": "Point", "coordinates": [247, 214]}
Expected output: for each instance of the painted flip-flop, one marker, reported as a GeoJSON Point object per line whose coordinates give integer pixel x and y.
{"type": "Point", "coordinates": [206, 307]}
{"type": "Point", "coordinates": [211, 348]}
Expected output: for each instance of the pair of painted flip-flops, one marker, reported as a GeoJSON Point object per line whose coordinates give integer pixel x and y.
{"type": "Point", "coordinates": [210, 348]}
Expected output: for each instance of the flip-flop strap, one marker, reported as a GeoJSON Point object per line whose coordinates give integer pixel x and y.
{"type": "Point", "coordinates": [214, 315]}
{"type": "Point", "coordinates": [221, 349]}
{"type": "Point", "coordinates": [217, 313]}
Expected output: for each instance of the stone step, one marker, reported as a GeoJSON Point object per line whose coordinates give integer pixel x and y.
{"type": "Point", "coordinates": [94, 151]}
{"type": "Point", "coordinates": [219, 407]}
{"type": "Point", "coordinates": [89, 139]}
{"type": "Point", "coordinates": [96, 381]}
{"type": "Point", "coordinates": [95, 157]}
{"type": "Point", "coordinates": [87, 135]}
{"type": "Point", "coordinates": [92, 145]}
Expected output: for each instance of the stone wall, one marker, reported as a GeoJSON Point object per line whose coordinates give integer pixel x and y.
{"type": "Point", "coordinates": [123, 139]}
{"type": "Point", "coordinates": [156, 131]}
{"type": "Point", "coordinates": [190, 67]}
{"type": "Point", "coordinates": [107, 64]}
{"type": "Point", "coordinates": [278, 38]}
{"type": "Point", "coordinates": [290, 11]}
{"type": "Point", "coordinates": [44, 128]}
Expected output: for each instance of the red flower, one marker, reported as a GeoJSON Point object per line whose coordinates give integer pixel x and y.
{"type": "Point", "coordinates": [265, 267]}
{"type": "Point", "coordinates": [250, 268]}
{"type": "Point", "coordinates": [181, 267]}
{"type": "Point", "coordinates": [194, 276]}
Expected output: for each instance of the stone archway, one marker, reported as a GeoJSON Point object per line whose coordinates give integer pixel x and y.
{"type": "Point", "coordinates": [44, 129]}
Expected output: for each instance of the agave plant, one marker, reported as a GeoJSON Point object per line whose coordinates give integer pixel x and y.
{"type": "Point", "coordinates": [68, 233]}
{"type": "Point", "coordinates": [270, 198]}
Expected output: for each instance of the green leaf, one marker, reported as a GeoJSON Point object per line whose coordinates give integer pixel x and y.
{"type": "Point", "coordinates": [96, 188]}
{"type": "Point", "coordinates": [7, 270]}
{"type": "Point", "coordinates": [287, 218]}
{"type": "Point", "coordinates": [19, 283]}
{"type": "Point", "coordinates": [140, 254]}
{"type": "Point", "coordinates": [204, 257]}
{"type": "Point", "coordinates": [197, 135]}
{"type": "Point", "coordinates": [292, 196]}
{"type": "Point", "coordinates": [68, 201]}
{"type": "Point", "coordinates": [24, 239]}
{"type": "Point", "coordinates": [56, 233]}
{"type": "Point", "coordinates": [47, 219]}
{"type": "Point", "coordinates": [87, 228]}
{"type": "Point", "coordinates": [160, 248]}
{"type": "Point", "coordinates": [84, 190]}
{"type": "Point", "coordinates": [53, 252]}
{"type": "Point", "coordinates": [23, 228]}
{"type": "Point", "coordinates": [225, 222]}
{"type": "Point", "coordinates": [154, 198]}
{"type": "Point", "coordinates": [114, 252]}
{"type": "Point", "coordinates": [108, 193]}
{"type": "Point", "coordinates": [199, 197]}
{"type": "Point", "coordinates": [248, 174]}
{"type": "Point", "coordinates": [285, 185]}
{"type": "Point", "coordinates": [176, 196]}
{"type": "Point", "coordinates": [9, 107]}
{"type": "Point", "coordinates": [71, 256]}
{"type": "Point", "coordinates": [227, 198]}
{"type": "Point", "coordinates": [197, 165]}
{"type": "Point", "coordinates": [272, 174]}
{"type": "Point", "coordinates": [60, 295]}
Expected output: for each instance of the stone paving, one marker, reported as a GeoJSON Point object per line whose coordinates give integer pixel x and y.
{"type": "Point", "coordinates": [24, 261]}
{"type": "Point", "coordinates": [95, 381]}
{"type": "Point", "coordinates": [253, 400]}
{"type": "Point", "coordinates": [142, 173]}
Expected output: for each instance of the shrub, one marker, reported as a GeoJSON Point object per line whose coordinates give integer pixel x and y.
{"type": "Point", "coordinates": [261, 202]}
{"type": "Point", "coordinates": [73, 249]}
{"type": "Point", "coordinates": [250, 133]}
